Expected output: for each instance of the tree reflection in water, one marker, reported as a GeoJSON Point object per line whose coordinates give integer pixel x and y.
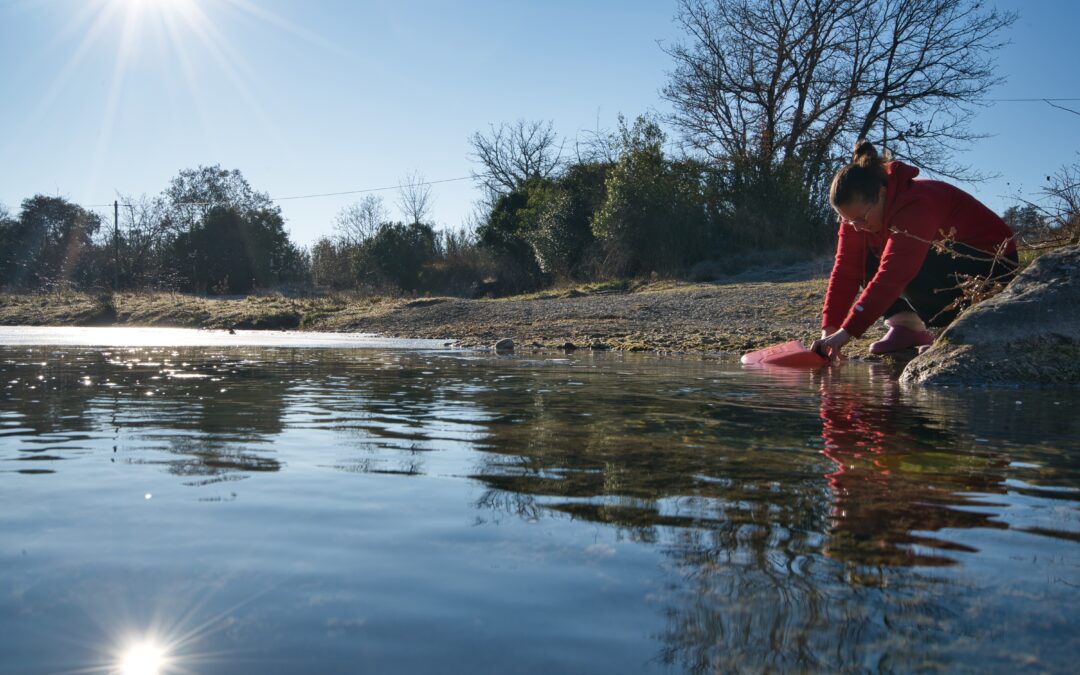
{"type": "Point", "coordinates": [895, 472]}
{"type": "Point", "coordinates": [806, 519]}
{"type": "Point", "coordinates": [209, 409]}
{"type": "Point", "coordinates": [786, 561]}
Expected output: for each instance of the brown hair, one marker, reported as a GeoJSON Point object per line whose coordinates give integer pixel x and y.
{"type": "Point", "coordinates": [862, 178]}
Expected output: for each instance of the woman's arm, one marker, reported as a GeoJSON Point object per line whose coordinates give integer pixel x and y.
{"type": "Point", "coordinates": [849, 267]}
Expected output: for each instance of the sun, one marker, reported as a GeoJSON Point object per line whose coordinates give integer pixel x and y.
{"type": "Point", "coordinates": [187, 42]}
{"type": "Point", "coordinates": [131, 5]}
{"type": "Point", "coordinates": [145, 3]}
{"type": "Point", "coordinates": [143, 659]}
{"type": "Point", "coordinates": [158, 6]}
{"type": "Point", "coordinates": [143, 10]}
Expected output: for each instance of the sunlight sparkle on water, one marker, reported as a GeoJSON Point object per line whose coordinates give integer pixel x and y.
{"type": "Point", "coordinates": [132, 337]}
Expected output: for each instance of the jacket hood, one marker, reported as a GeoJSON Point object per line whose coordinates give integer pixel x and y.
{"type": "Point", "coordinates": [898, 177]}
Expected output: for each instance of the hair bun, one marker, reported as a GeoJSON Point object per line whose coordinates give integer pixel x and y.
{"type": "Point", "coordinates": [863, 178]}
{"type": "Point", "coordinates": [865, 153]}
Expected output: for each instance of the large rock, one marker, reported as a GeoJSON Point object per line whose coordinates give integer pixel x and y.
{"type": "Point", "coordinates": [1027, 334]}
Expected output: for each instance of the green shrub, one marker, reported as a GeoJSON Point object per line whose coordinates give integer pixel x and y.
{"type": "Point", "coordinates": [653, 217]}
{"type": "Point", "coordinates": [396, 254]}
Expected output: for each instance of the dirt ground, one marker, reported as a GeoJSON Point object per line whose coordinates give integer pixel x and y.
{"type": "Point", "coordinates": [732, 315]}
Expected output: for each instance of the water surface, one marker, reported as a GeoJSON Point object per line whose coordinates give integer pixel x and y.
{"type": "Point", "coordinates": [282, 506]}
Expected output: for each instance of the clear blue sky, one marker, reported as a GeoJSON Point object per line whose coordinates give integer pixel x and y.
{"type": "Point", "coordinates": [108, 96]}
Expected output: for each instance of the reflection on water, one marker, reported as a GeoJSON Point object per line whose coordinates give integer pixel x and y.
{"type": "Point", "coordinates": [894, 480]}
{"type": "Point", "coordinates": [157, 336]}
{"type": "Point", "coordinates": [289, 509]}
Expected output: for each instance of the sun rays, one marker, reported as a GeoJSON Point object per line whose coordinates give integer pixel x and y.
{"type": "Point", "coordinates": [187, 47]}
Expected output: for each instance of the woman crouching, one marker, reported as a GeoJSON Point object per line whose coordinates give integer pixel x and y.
{"type": "Point", "coordinates": [889, 225]}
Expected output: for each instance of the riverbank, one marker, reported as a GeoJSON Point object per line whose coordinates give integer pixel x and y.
{"type": "Point", "coordinates": [732, 315]}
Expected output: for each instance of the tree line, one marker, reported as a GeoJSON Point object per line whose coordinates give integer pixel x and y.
{"type": "Point", "coordinates": [767, 97]}
{"type": "Point", "coordinates": [207, 232]}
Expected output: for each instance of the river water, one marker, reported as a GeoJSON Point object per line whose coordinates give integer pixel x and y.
{"type": "Point", "coordinates": [199, 502]}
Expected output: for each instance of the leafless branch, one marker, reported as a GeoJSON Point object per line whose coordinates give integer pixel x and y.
{"type": "Point", "coordinates": [511, 154]}
{"type": "Point", "coordinates": [358, 222]}
{"type": "Point", "coordinates": [414, 198]}
{"type": "Point", "coordinates": [781, 80]}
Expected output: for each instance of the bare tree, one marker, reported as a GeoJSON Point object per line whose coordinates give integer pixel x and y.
{"type": "Point", "coordinates": [778, 80]}
{"type": "Point", "coordinates": [511, 154]}
{"type": "Point", "coordinates": [930, 66]}
{"type": "Point", "coordinates": [596, 145]}
{"type": "Point", "coordinates": [1061, 207]}
{"type": "Point", "coordinates": [146, 234]}
{"type": "Point", "coordinates": [738, 84]}
{"type": "Point", "coordinates": [358, 222]}
{"type": "Point", "coordinates": [1064, 192]}
{"type": "Point", "coordinates": [476, 217]}
{"type": "Point", "coordinates": [414, 197]}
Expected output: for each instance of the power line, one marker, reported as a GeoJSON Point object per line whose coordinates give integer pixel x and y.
{"type": "Point", "coordinates": [1043, 100]}
{"type": "Point", "coordinates": [1061, 107]}
{"type": "Point", "coordinates": [378, 189]}
{"type": "Point", "coordinates": [670, 144]}
{"type": "Point", "coordinates": [323, 194]}
{"type": "Point", "coordinates": [1047, 101]}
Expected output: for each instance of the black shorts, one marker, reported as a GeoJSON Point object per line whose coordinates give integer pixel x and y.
{"type": "Point", "coordinates": [936, 286]}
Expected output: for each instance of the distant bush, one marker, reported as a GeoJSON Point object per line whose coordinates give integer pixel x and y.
{"type": "Point", "coordinates": [396, 254]}
{"type": "Point", "coordinates": [461, 267]}
{"type": "Point", "coordinates": [654, 215]}
{"type": "Point", "coordinates": [331, 264]}
{"type": "Point", "coordinates": [627, 208]}
{"type": "Point", "coordinates": [503, 235]}
{"type": "Point", "coordinates": [410, 258]}
{"type": "Point", "coordinates": [47, 245]}
{"type": "Point", "coordinates": [765, 207]}
{"type": "Point", "coordinates": [229, 251]}
{"type": "Point", "coordinates": [556, 221]}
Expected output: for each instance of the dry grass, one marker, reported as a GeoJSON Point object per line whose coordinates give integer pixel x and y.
{"type": "Point", "coordinates": [182, 310]}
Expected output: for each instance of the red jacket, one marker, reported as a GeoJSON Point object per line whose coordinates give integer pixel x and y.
{"type": "Point", "coordinates": [917, 212]}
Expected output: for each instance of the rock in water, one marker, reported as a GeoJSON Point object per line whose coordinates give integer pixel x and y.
{"type": "Point", "coordinates": [504, 345]}
{"type": "Point", "coordinates": [1027, 334]}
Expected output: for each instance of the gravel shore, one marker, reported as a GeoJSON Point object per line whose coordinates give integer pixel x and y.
{"type": "Point", "coordinates": [676, 317]}
{"type": "Point", "coordinates": [731, 316]}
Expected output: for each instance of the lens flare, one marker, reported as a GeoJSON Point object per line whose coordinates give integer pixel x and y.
{"type": "Point", "coordinates": [143, 659]}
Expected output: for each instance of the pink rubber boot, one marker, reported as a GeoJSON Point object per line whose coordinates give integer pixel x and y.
{"type": "Point", "coordinates": [900, 338]}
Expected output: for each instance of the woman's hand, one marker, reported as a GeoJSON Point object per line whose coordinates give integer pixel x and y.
{"type": "Point", "coordinates": [831, 344]}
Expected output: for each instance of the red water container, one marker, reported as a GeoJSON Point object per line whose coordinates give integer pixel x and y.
{"type": "Point", "coordinates": [793, 354]}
